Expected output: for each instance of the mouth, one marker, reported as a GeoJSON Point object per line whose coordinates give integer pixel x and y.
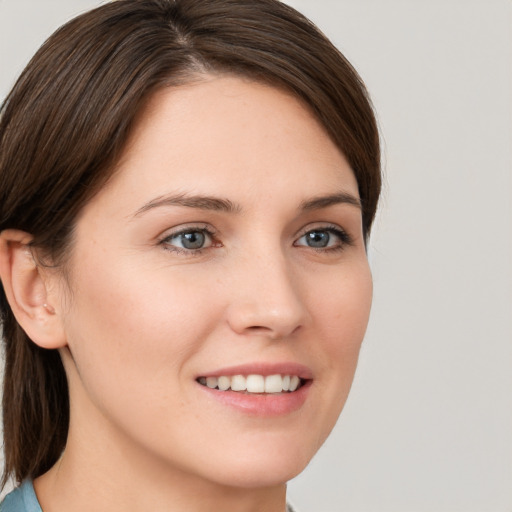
{"type": "Point", "coordinates": [254, 384]}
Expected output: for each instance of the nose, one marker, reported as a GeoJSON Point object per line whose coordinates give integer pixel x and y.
{"type": "Point", "coordinates": [266, 300]}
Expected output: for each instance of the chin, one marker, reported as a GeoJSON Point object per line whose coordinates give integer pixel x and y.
{"type": "Point", "coordinates": [261, 465]}
{"type": "Point", "coordinates": [256, 476]}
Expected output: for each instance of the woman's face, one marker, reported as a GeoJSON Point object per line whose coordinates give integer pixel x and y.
{"type": "Point", "coordinates": [229, 243]}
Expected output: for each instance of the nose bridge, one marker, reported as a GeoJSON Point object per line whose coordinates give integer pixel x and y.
{"type": "Point", "coordinates": [267, 299]}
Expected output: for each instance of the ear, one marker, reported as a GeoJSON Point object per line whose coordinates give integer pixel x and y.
{"type": "Point", "coordinates": [27, 287]}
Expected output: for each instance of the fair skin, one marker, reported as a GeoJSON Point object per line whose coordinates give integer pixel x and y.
{"type": "Point", "coordinates": [207, 254]}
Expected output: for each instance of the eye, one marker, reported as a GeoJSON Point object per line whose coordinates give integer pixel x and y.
{"type": "Point", "coordinates": [330, 238]}
{"type": "Point", "coordinates": [189, 240]}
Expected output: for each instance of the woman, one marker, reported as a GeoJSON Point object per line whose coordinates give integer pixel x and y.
{"type": "Point", "coordinates": [187, 191]}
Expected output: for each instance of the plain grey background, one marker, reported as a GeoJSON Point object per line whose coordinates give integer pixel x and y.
{"type": "Point", "coordinates": [428, 426]}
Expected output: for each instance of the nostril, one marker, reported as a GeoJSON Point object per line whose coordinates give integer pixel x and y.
{"type": "Point", "coordinates": [274, 334]}
{"type": "Point", "coordinates": [263, 330]}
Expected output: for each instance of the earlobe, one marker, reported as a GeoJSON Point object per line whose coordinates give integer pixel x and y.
{"type": "Point", "coordinates": [27, 289]}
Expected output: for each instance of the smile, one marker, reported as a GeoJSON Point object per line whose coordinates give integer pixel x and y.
{"type": "Point", "coordinates": [253, 383]}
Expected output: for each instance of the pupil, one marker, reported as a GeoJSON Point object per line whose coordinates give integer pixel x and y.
{"type": "Point", "coordinates": [318, 239]}
{"type": "Point", "coordinates": [194, 240]}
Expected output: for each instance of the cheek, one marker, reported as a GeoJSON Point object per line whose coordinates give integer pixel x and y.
{"type": "Point", "coordinates": [341, 319]}
{"type": "Point", "coordinates": [342, 311]}
{"type": "Point", "coordinates": [131, 333]}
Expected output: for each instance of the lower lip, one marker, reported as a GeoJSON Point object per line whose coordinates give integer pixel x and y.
{"type": "Point", "coordinates": [268, 404]}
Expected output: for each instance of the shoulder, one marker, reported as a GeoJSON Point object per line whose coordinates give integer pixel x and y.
{"type": "Point", "coordinates": [22, 499]}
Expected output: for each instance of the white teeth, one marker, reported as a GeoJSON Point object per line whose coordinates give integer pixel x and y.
{"type": "Point", "coordinates": [211, 382]}
{"type": "Point", "coordinates": [238, 383]}
{"type": "Point", "coordinates": [253, 383]}
{"type": "Point", "coordinates": [294, 382]}
{"type": "Point", "coordinates": [224, 383]}
{"type": "Point", "coordinates": [273, 384]}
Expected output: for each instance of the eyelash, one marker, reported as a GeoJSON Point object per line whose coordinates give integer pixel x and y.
{"type": "Point", "coordinates": [165, 242]}
{"type": "Point", "coordinates": [344, 239]}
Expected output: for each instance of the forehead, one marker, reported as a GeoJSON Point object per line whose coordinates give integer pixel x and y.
{"type": "Point", "coordinates": [227, 135]}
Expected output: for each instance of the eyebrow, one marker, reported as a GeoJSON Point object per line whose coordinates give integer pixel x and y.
{"type": "Point", "coordinates": [225, 205]}
{"type": "Point", "coordinates": [198, 202]}
{"type": "Point", "coordinates": [317, 203]}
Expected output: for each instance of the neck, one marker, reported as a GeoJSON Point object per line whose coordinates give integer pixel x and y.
{"type": "Point", "coordinates": [57, 492]}
{"type": "Point", "coordinates": [99, 474]}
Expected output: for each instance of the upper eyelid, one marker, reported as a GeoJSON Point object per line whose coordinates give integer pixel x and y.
{"type": "Point", "coordinates": [321, 226]}
{"type": "Point", "coordinates": [208, 228]}
{"type": "Point", "coordinates": [187, 228]}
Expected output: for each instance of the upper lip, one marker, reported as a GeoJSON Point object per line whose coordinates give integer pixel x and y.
{"type": "Point", "coordinates": [262, 368]}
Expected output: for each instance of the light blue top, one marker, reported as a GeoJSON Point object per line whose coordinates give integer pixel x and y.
{"type": "Point", "coordinates": [22, 499]}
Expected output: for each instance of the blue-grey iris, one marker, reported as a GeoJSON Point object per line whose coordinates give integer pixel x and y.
{"type": "Point", "coordinates": [317, 238]}
{"type": "Point", "coordinates": [192, 240]}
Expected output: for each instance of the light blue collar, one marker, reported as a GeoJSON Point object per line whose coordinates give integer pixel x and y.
{"type": "Point", "coordinates": [22, 499]}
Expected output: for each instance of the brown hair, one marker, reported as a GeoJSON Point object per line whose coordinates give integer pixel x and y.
{"type": "Point", "coordinates": [68, 117]}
